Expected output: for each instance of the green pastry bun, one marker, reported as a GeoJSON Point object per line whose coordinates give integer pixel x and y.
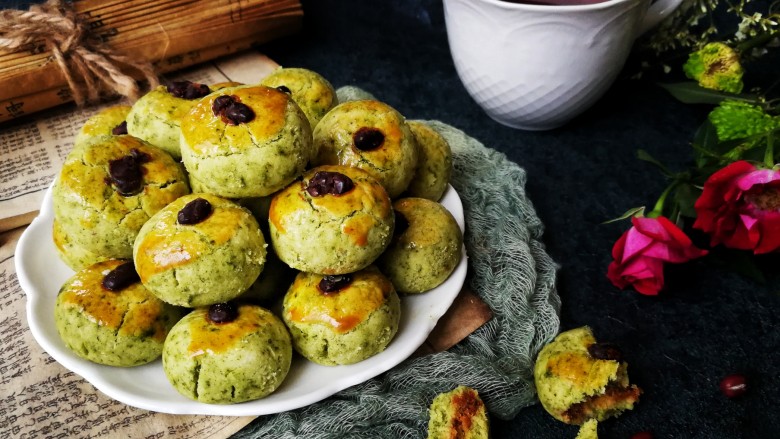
{"type": "Point", "coordinates": [574, 386]}
{"type": "Point", "coordinates": [372, 136]}
{"type": "Point", "coordinates": [248, 159]}
{"type": "Point", "coordinates": [156, 118]}
{"type": "Point", "coordinates": [313, 93]}
{"type": "Point", "coordinates": [96, 211]}
{"type": "Point", "coordinates": [425, 248]}
{"type": "Point", "coordinates": [230, 362]}
{"type": "Point", "coordinates": [116, 328]}
{"type": "Point", "coordinates": [331, 234]}
{"type": "Point", "coordinates": [345, 326]}
{"type": "Point", "coordinates": [434, 166]}
{"type": "Point", "coordinates": [212, 261]}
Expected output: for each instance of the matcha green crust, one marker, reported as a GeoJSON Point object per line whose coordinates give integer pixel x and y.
{"type": "Point", "coordinates": [73, 255]}
{"type": "Point", "coordinates": [343, 327]}
{"type": "Point", "coordinates": [251, 159]}
{"type": "Point", "coordinates": [156, 118]}
{"type": "Point", "coordinates": [574, 387]}
{"type": "Point", "coordinates": [313, 93]}
{"type": "Point", "coordinates": [434, 166]}
{"type": "Point", "coordinates": [460, 414]}
{"type": "Point", "coordinates": [331, 234]}
{"type": "Point", "coordinates": [123, 328]}
{"type": "Point", "coordinates": [392, 163]}
{"type": "Point", "coordinates": [231, 362]}
{"type": "Point", "coordinates": [101, 125]}
{"type": "Point", "coordinates": [422, 256]}
{"type": "Point", "coordinates": [90, 210]}
{"type": "Point", "coordinates": [213, 261]}
{"type": "Point", "coordinates": [589, 430]}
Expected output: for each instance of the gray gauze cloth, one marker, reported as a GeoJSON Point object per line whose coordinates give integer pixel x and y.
{"type": "Point", "coordinates": [508, 269]}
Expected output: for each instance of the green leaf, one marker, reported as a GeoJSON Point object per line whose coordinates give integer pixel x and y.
{"type": "Point", "coordinates": [628, 214]}
{"type": "Point", "coordinates": [644, 155]}
{"type": "Point", "coordinates": [745, 149]}
{"type": "Point", "coordinates": [704, 143]}
{"type": "Point", "coordinates": [708, 151]}
{"type": "Point", "coordinates": [691, 93]}
{"type": "Point", "coordinates": [686, 196]}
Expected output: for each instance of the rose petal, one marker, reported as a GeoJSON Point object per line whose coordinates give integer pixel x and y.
{"type": "Point", "coordinates": [646, 275]}
{"type": "Point", "coordinates": [618, 248]}
{"type": "Point", "coordinates": [635, 243]}
{"type": "Point", "coordinates": [757, 177]}
{"type": "Point", "coordinates": [649, 287]}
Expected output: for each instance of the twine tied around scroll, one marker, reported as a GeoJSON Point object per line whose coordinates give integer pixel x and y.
{"type": "Point", "coordinates": [89, 65]}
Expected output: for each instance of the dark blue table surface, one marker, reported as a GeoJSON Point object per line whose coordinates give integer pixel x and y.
{"type": "Point", "coordinates": [709, 323]}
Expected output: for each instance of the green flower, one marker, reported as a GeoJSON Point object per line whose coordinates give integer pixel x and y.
{"type": "Point", "coordinates": [737, 120]}
{"type": "Point", "coordinates": [715, 66]}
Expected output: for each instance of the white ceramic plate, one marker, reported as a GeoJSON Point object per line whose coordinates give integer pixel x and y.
{"type": "Point", "coordinates": [41, 274]}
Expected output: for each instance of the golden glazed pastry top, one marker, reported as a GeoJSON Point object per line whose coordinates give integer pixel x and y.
{"type": "Point", "coordinates": [211, 337]}
{"type": "Point", "coordinates": [367, 196]}
{"type": "Point", "coordinates": [102, 123]}
{"type": "Point", "coordinates": [85, 175]}
{"type": "Point", "coordinates": [170, 244]}
{"type": "Point", "coordinates": [207, 134]}
{"type": "Point", "coordinates": [133, 311]}
{"type": "Point", "coordinates": [343, 310]}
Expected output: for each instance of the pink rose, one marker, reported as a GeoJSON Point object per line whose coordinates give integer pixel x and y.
{"type": "Point", "coordinates": [640, 253]}
{"type": "Point", "coordinates": [740, 208]}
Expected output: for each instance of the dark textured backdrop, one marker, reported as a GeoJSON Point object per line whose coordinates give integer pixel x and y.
{"type": "Point", "coordinates": [709, 323]}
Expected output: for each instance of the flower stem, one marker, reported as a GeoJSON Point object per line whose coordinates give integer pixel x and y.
{"type": "Point", "coordinates": [658, 209]}
{"type": "Point", "coordinates": [769, 153]}
{"type": "Point", "coordinates": [756, 41]}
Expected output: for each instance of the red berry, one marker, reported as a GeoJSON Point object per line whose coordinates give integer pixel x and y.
{"type": "Point", "coordinates": [733, 386]}
{"type": "Point", "coordinates": [642, 435]}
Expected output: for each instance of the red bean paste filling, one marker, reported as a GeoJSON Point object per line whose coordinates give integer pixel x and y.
{"type": "Point", "coordinates": [368, 138]}
{"type": "Point", "coordinates": [466, 406]}
{"type": "Point", "coordinates": [194, 212]}
{"type": "Point", "coordinates": [120, 129]}
{"type": "Point", "coordinates": [231, 110]}
{"type": "Point", "coordinates": [329, 183]}
{"type": "Point", "coordinates": [126, 173]}
{"type": "Point", "coordinates": [222, 312]}
{"type": "Point", "coordinates": [334, 283]}
{"type": "Point", "coordinates": [120, 277]}
{"type": "Point", "coordinates": [605, 351]}
{"type": "Point", "coordinates": [188, 90]}
{"type": "Point", "coordinates": [614, 400]}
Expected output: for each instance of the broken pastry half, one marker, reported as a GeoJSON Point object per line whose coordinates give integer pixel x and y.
{"type": "Point", "coordinates": [460, 414]}
{"type": "Point", "coordinates": [578, 379]}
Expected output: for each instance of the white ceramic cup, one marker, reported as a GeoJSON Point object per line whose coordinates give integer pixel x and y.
{"type": "Point", "coordinates": [535, 67]}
